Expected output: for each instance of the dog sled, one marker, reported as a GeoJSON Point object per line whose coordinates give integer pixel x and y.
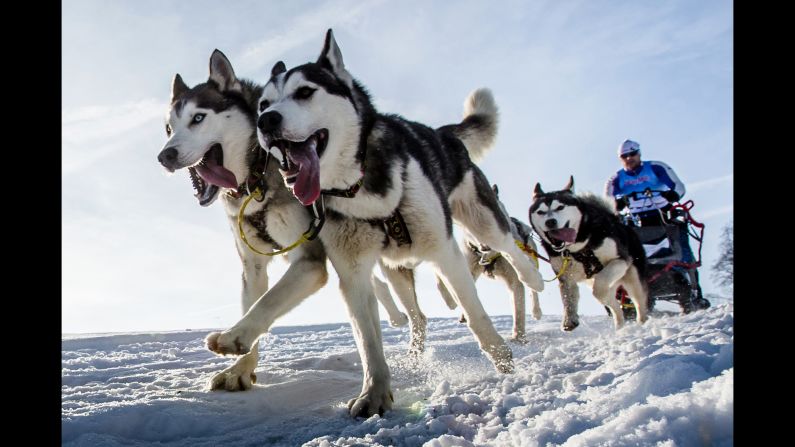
{"type": "Point", "coordinates": [669, 276]}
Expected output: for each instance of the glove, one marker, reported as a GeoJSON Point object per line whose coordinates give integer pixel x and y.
{"type": "Point", "coordinates": [670, 195]}
{"type": "Point", "coordinates": [621, 203]}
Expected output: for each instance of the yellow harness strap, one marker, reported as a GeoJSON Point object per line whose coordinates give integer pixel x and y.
{"type": "Point", "coordinates": [566, 259]}
{"type": "Point", "coordinates": [522, 246]}
{"type": "Point", "coordinates": [258, 194]}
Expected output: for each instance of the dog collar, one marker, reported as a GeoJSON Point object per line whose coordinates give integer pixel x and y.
{"type": "Point", "coordinates": [350, 192]}
{"type": "Point", "coordinates": [347, 193]}
{"type": "Point", "coordinates": [590, 263]}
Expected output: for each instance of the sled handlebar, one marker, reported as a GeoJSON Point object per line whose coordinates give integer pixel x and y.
{"type": "Point", "coordinates": [645, 194]}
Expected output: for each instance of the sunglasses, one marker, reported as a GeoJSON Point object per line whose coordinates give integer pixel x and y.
{"type": "Point", "coordinates": [629, 154]}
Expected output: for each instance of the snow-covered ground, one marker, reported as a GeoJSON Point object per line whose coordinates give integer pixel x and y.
{"type": "Point", "coordinates": [667, 383]}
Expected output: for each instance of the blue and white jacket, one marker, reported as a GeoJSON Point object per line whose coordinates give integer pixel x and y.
{"type": "Point", "coordinates": [654, 175]}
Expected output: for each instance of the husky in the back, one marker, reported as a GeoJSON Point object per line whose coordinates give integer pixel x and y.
{"type": "Point", "coordinates": [583, 233]}
{"type": "Point", "coordinates": [483, 260]}
{"type": "Point", "coordinates": [211, 132]}
{"type": "Point", "coordinates": [391, 189]}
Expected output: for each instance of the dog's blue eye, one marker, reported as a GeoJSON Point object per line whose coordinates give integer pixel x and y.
{"type": "Point", "coordinates": [199, 117]}
{"type": "Point", "coordinates": [304, 93]}
{"type": "Point", "coordinates": [540, 213]}
{"type": "Point", "coordinates": [263, 105]}
{"type": "Point", "coordinates": [559, 208]}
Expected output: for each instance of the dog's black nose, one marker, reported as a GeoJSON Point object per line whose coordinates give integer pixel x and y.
{"type": "Point", "coordinates": [269, 121]}
{"type": "Point", "coordinates": [168, 157]}
{"type": "Point", "coordinates": [552, 223]}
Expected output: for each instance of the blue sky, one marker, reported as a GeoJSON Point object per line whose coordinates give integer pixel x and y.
{"type": "Point", "coordinates": [572, 79]}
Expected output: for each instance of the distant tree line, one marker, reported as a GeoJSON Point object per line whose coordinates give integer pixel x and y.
{"type": "Point", "coordinates": [723, 269]}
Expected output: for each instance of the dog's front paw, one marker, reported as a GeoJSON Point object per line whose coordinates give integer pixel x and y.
{"type": "Point", "coordinates": [569, 324]}
{"type": "Point", "coordinates": [377, 399]}
{"type": "Point", "coordinates": [224, 343]}
{"type": "Point", "coordinates": [238, 377]}
{"type": "Point", "coordinates": [231, 380]}
{"type": "Point", "coordinates": [519, 339]}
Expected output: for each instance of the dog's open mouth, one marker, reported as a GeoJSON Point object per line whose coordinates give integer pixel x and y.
{"type": "Point", "coordinates": [300, 167]}
{"type": "Point", "coordinates": [209, 173]}
{"type": "Point", "coordinates": [561, 236]}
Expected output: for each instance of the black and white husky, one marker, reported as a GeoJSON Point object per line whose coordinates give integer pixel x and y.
{"type": "Point", "coordinates": [483, 260]}
{"type": "Point", "coordinates": [391, 189]}
{"type": "Point", "coordinates": [585, 230]}
{"type": "Point", "coordinates": [211, 132]}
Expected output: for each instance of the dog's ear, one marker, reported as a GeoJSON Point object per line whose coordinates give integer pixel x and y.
{"type": "Point", "coordinates": [331, 59]}
{"type": "Point", "coordinates": [221, 73]}
{"type": "Point", "coordinates": [569, 186]}
{"type": "Point", "coordinates": [496, 190]}
{"type": "Point", "coordinates": [278, 69]}
{"type": "Point", "coordinates": [537, 191]}
{"type": "Point", "coordinates": [178, 87]}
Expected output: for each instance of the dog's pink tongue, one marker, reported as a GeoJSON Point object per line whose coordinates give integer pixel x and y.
{"type": "Point", "coordinates": [216, 174]}
{"type": "Point", "coordinates": [307, 185]}
{"type": "Point", "coordinates": [565, 234]}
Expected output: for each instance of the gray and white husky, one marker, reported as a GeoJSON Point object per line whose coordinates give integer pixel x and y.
{"type": "Point", "coordinates": [391, 189]}
{"type": "Point", "coordinates": [601, 251]}
{"type": "Point", "coordinates": [211, 132]}
{"type": "Point", "coordinates": [483, 260]}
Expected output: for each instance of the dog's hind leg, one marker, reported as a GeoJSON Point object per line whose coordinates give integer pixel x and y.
{"type": "Point", "coordinates": [504, 243]}
{"type": "Point", "coordinates": [535, 305]}
{"type": "Point", "coordinates": [396, 317]}
{"type": "Point", "coordinates": [507, 274]}
{"type": "Point", "coordinates": [402, 280]}
{"type": "Point", "coordinates": [638, 293]}
{"type": "Point", "coordinates": [448, 299]}
{"type": "Point", "coordinates": [605, 286]}
{"type": "Point", "coordinates": [474, 206]}
{"type": "Point", "coordinates": [451, 267]}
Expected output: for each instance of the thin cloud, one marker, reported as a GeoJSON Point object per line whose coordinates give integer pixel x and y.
{"type": "Point", "coordinates": [91, 133]}
{"type": "Point", "coordinates": [717, 212]}
{"type": "Point", "coordinates": [96, 122]}
{"type": "Point", "coordinates": [709, 183]}
{"type": "Point", "coordinates": [308, 27]}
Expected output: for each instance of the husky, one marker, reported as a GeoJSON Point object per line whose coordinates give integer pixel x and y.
{"type": "Point", "coordinates": [483, 260]}
{"type": "Point", "coordinates": [583, 232]}
{"type": "Point", "coordinates": [211, 133]}
{"type": "Point", "coordinates": [391, 189]}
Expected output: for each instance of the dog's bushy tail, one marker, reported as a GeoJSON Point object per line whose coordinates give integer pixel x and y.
{"type": "Point", "coordinates": [478, 129]}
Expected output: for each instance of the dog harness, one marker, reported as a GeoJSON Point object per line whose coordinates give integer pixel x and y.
{"type": "Point", "coordinates": [487, 258]}
{"type": "Point", "coordinates": [257, 180]}
{"type": "Point", "coordinates": [393, 226]}
{"type": "Point", "coordinates": [590, 263]}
